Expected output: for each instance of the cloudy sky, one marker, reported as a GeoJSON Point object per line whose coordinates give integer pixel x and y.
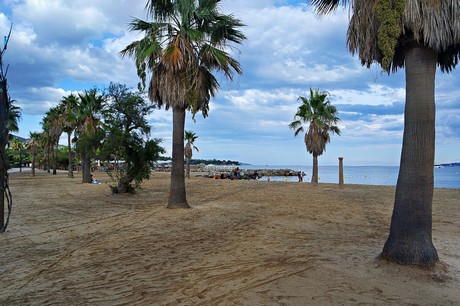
{"type": "Point", "coordinates": [62, 46]}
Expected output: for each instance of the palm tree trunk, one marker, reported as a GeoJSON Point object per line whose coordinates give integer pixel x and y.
{"type": "Point", "coordinates": [55, 151]}
{"type": "Point", "coordinates": [48, 164]}
{"type": "Point", "coordinates": [188, 168]}
{"type": "Point", "coordinates": [410, 238]}
{"type": "Point", "coordinates": [20, 160]}
{"type": "Point", "coordinates": [33, 164]}
{"type": "Point", "coordinates": [70, 155]}
{"type": "Point", "coordinates": [177, 197]}
{"type": "Point", "coordinates": [86, 168]}
{"type": "Point", "coordinates": [314, 177]}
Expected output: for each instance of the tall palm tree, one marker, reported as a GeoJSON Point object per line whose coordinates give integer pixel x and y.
{"type": "Point", "coordinates": [88, 130]}
{"type": "Point", "coordinates": [321, 117]}
{"type": "Point", "coordinates": [417, 35]}
{"type": "Point", "coordinates": [46, 141]}
{"type": "Point", "coordinates": [53, 122]}
{"type": "Point", "coordinates": [69, 105]}
{"type": "Point", "coordinates": [182, 48]}
{"type": "Point", "coordinates": [190, 137]}
{"type": "Point", "coordinates": [33, 146]}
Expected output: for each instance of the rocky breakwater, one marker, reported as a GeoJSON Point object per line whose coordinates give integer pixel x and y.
{"type": "Point", "coordinates": [249, 174]}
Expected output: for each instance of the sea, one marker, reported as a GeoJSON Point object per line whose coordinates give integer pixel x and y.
{"type": "Point", "coordinates": [444, 177]}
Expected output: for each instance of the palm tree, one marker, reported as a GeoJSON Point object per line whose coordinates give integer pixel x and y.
{"type": "Point", "coordinates": [321, 117]}
{"type": "Point", "coordinates": [190, 137]}
{"type": "Point", "coordinates": [53, 123]}
{"type": "Point", "coordinates": [14, 116]}
{"type": "Point", "coordinates": [417, 35]}
{"type": "Point", "coordinates": [88, 131]}
{"type": "Point", "coordinates": [68, 107]}
{"type": "Point", "coordinates": [182, 49]}
{"type": "Point", "coordinates": [33, 146]}
{"type": "Point", "coordinates": [46, 141]}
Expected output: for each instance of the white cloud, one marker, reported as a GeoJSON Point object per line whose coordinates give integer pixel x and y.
{"type": "Point", "coordinates": [60, 46]}
{"type": "Point", "coordinates": [374, 94]}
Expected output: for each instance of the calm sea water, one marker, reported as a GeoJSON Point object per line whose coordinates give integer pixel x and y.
{"type": "Point", "coordinates": [447, 177]}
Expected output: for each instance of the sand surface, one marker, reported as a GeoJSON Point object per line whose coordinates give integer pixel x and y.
{"type": "Point", "coordinates": [243, 243]}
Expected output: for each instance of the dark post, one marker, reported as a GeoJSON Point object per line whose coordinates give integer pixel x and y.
{"type": "Point", "coordinates": [340, 172]}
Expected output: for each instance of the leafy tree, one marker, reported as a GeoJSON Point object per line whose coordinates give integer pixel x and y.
{"type": "Point", "coordinates": [89, 130]}
{"type": "Point", "coordinates": [417, 35]}
{"type": "Point", "coordinates": [190, 137]}
{"type": "Point", "coordinates": [18, 146]}
{"type": "Point", "coordinates": [127, 130]}
{"type": "Point", "coordinates": [182, 48]}
{"type": "Point", "coordinates": [321, 117]}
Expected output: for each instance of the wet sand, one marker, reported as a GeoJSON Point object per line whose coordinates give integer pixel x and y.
{"type": "Point", "coordinates": [243, 243]}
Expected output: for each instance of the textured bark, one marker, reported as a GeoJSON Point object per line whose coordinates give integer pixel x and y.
{"type": "Point", "coordinates": [55, 153]}
{"type": "Point", "coordinates": [410, 238]}
{"type": "Point", "coordinates": [70, 174]}
{"type": "Point", "coordinates": [86, 168]}
{"type": "Point", "coordinates": [48, 163]}
{"type": "Point", "coordinates": [188, 168]}
{"type": "Point", "coordinates": [177, 197]}
{"type": "Point", "coordinates": [33, 164]}
{"type": "Point", "coordinates": [314, 176]}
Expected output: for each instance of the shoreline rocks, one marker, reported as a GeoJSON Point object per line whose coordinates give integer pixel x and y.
{"type": "Point", "coordinates": [248, 174]}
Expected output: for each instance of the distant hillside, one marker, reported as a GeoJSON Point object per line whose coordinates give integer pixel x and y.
{"type": "Point", "coordinates": [206, 161]}
{"type": "Point", "coordinates": [451, 165]}
{"type": "Point", "coordinates": [20, 138]}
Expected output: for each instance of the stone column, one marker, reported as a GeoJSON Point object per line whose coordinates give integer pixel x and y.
{"type": "Point", "coordinates": [340, 172]}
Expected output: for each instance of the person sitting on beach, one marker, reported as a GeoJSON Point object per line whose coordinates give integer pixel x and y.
{"type": "Point", "coordinates": [236, 173]}
{"type": "Point", "coordinates": [93, 181]}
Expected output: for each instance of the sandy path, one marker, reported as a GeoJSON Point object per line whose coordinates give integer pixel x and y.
{"type": "Point", "coordinates": [243, 243]}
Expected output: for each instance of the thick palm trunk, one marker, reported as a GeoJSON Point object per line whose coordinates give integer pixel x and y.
{"type": "Point", "coordinates": [70, 155]}
{"type": "Point", "coordinates": [20, 160]}
{"type": "Point", "coordinates": [48, 164]}
{"type": "Point", "coordinates": [314, 176]}
{"type": "Point", "coordinates": [55, 151]}
{"type": "Point", "coordinates": [86, 168]}
{"type": "Point", "coordinates": [410, 240]}
{"type": "Point", "coordinates": [177, 197]}
{"type": "Point", "coordinates": [33, 164]}
{"type": "Point", "coordinates": [188, 168]}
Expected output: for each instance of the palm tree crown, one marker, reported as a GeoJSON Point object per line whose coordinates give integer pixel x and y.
{"type": "Point", "coordinates": [182, 48]}
{"type": "Point", "coordinates": [190, 137]}
{"type": "Point", "coordinates": [321, 116]}
{"type": "Point", "coordinates": [433, 24]}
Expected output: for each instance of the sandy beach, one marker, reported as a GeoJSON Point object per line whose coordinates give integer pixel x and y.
{"type": "Point", "coordinates": [243, 243]}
